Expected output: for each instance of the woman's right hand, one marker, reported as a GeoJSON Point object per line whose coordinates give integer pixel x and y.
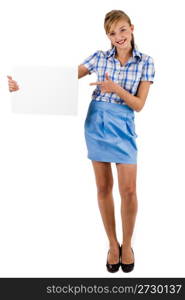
{"type": "Point", "coordinates": [12, 84]}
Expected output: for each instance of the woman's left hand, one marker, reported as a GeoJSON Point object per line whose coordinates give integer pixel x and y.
{"type": "Point", "coordinates": [107, 86]}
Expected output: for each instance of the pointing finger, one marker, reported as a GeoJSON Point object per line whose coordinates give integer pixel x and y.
{"type": "Point", "coordinates": [95, 83]}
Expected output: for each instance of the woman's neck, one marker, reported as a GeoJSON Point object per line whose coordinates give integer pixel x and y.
{"type": "Point", "coordinates": [123, 53]}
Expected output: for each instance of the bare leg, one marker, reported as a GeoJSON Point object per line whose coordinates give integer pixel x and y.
{"type": "Point", "coordinates": [129, 206]}
{"type": "Point", "coordinates": [104, 182]}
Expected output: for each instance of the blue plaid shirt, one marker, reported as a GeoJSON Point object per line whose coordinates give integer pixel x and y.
{"type": "Point", "coordinates": [138, 68]}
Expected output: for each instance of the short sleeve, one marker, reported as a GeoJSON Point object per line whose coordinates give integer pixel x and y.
{"type": "Point", "coordinates": [148, 72]}
{"type": "Point", "coordinates": [91, 62]}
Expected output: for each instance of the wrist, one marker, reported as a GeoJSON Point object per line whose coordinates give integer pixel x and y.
{"type": "Point", "coordinates": [117, 88]}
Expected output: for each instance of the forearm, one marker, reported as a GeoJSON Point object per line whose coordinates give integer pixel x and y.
{"type": "Point", "coordinates": [131, 100]}
{"type": "Point", "coordinates": [82, 71]}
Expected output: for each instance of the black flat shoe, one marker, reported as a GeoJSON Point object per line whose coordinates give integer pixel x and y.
{"type": "Point", "coordinates": [127, 267]}
{"type": "Point", "coordinates": [113, 267]}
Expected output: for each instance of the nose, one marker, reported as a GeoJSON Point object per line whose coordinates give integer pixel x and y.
{"type": "Point", "coordinates": [119, 37]}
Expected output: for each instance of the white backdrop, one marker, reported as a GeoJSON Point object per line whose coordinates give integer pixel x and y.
{"type": "Point", "coordinates": [49, 218]}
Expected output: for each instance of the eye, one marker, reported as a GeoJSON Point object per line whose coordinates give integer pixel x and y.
{"type": "Point", "coordinates": [112, 33]}
{"type": "Point", "coordinates": [122, 29]}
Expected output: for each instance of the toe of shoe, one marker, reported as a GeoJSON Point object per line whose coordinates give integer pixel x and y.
{"type": "Point", "coordinates": [112, 267]}
{"type": "Point", "coordinates": [127, 267]}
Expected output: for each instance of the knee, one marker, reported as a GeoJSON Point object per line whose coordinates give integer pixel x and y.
{"type": "Point", "coordinates": [104, 188]}
{"type": "Point", "coordinates": [129, 192]}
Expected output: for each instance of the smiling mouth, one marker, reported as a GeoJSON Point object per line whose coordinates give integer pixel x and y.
{"type": "Point", "coordinates": [121, 42]}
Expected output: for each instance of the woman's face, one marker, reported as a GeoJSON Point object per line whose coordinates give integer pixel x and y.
{"type": "Point", "coordinates": [120, 34]}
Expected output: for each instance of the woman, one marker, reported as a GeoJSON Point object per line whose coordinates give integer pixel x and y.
{"type": "Point", "coordinates": [124, 77]}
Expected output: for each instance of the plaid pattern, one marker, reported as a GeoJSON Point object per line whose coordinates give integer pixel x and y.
{"type": "Point", "coordinates": [138, 68]}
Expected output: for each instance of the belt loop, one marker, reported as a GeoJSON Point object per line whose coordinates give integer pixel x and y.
{"type": "Point", "coordinates": [127, 115]}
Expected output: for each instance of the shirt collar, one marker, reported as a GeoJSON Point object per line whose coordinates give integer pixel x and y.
{"type": "Point", "coordinates": [135, 52]}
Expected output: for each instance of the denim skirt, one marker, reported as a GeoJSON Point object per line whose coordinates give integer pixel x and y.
{"type": "Point", "coordinates": [110, 133]}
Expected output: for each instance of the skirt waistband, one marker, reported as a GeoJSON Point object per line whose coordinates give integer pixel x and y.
{"type": "Point", "coordinates": [124, 110]}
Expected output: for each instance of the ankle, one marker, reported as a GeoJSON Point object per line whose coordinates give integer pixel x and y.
{"type": "Point", "coordinates": [126, 244]}
{"type": "Point", "coordinates": [113, 244]}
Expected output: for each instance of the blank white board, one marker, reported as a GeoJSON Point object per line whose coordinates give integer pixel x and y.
{"type": "Point", "coordinates": [45, 90]}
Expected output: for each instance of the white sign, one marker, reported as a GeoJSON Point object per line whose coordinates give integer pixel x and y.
{"type": "Point", "coordinates": [45, 90]}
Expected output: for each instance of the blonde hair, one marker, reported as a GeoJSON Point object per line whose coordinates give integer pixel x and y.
{"type": "Point", "coordinates": [114, 16]}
